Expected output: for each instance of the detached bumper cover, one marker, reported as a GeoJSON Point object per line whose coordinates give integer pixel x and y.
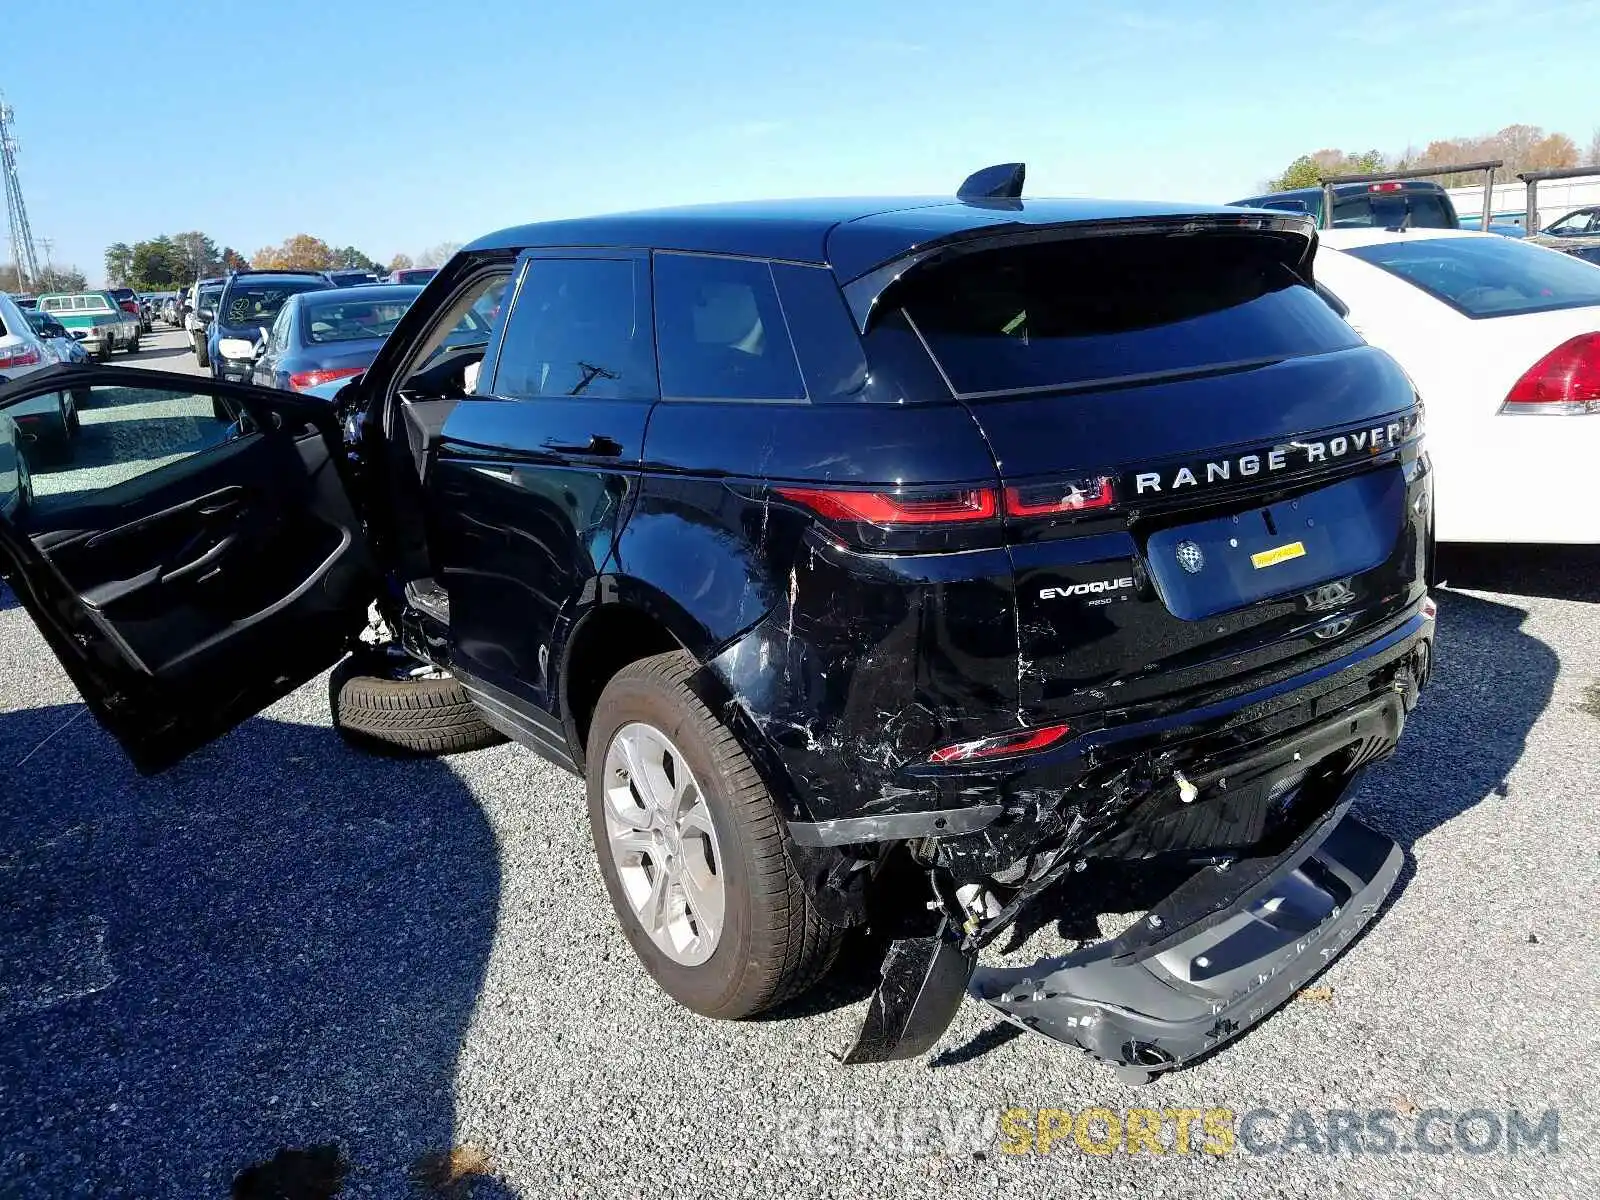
{"type": "Point", "coordinates": [1177, 1000]}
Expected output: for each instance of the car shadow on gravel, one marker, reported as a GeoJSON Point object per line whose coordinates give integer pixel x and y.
{"type": "Point", "coordinates": [1491, 682]}
{"type": "Point", "coordinates": [250, 976]}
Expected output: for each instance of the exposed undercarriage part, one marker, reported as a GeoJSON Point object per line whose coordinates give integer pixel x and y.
{"type": "Point", "coordinates": [1276, 878]}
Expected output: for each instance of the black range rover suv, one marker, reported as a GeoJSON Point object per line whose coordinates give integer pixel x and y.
{"type": "Point", "coordinates": [990, 544]}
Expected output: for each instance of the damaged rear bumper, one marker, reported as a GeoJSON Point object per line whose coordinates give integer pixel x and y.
{"type": "Point", "coordinates": [1215, 957]}
{"type": "Point", "coordinates": [1170, 1002]}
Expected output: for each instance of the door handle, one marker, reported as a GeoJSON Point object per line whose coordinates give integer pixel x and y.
{"type": "Point", "coordinates": [598, 445]}
{"type": "Point", "coordinates": [207, 560]}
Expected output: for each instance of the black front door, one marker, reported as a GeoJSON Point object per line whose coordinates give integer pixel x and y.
{"type": "Point", "coordinates": [186, 569]}
{"type": "Point", "coordinates": [534, 471]}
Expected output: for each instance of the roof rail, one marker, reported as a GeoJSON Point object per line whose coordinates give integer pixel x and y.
{"type": "Point", "coordinates": [1534, 178]}
{"type": "Point", "coordinates": [1000, 182]}
{"type": "Point", "coordinates": [1488, 166]}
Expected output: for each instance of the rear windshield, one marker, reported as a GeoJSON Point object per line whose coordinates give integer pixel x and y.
{"type": "Point", "coordinates": [413, 275]}
{"type": "Point", "coordinates": [89, 303]}
{"type": "Point", "coordinates": [353, 320]}
{"type": "Point", "coordinates": [1488, 276]}
{"type": "Point", "coordinates": [1391, 210]}
{"type": "Point", "coordinates": [1091, 310]}
{"type": "Point", "coordinates": [258, 303]}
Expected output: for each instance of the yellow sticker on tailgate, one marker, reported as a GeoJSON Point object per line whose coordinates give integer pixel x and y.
{"type": "Point", "coordinates": [1278, 554]}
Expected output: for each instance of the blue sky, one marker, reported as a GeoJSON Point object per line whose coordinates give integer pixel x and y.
{"type": "Point", "coordinates": [397, 124]}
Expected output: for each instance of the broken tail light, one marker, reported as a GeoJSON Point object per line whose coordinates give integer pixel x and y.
{"type": "Point", "coordinates": [1061, 497]}
{"type": "Point", "coordinates": [1565, 382]}
{"type": "Point", "coordinates": [1018, 741]}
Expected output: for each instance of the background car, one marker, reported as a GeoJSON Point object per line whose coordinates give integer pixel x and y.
{"type": "Point", "coordinates": [351, 277]}
{"type": "Point", "coordinates": [1503, 340]}
{"type": "Point", "coordinates": [1585, 222]}
{"type": "Point", "coordinates": [26, 301]}
{"type": "Point", "coordinates": [1420, 203]}
{"type": "Point", "coordinates": [321, 339]}
{"type": "Point", "coordinates": [130, 302]}
{"type": "Point", "coordinates": [47, 424]}
{"type": "Point", "coordinates": [411, 275]}
{"type": "Point", "coordinates": [56, 336]}
{"type": "Point", "coordinates": [248, 305]}
{"type": "Point", "coordinates": [200, 305]}
{"type": "Point", "coordinates": [103, 323]}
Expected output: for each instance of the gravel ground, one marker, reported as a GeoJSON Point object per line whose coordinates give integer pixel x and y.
{"type": "Point", "coordinates": [284, 944]}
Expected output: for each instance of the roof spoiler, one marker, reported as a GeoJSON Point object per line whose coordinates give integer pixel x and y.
{"type": "Point", "coordinates": [1000, 182]}
{"type": "Point", "coordinates": [863, 293]}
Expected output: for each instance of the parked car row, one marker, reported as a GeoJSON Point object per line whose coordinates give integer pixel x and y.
{"type": "Point", "coordinates": [229, 318]}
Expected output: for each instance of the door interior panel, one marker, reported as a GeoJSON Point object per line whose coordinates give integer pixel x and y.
{"type": "Point", "coordinates": [229, 543]}
{"type": "Point", "coordinates": [186, 591]}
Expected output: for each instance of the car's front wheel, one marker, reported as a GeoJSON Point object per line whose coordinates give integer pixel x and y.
{"type": "Point", "coordinates": [200, 357]}
{"type": "Point", "coordinates": [691, 848]}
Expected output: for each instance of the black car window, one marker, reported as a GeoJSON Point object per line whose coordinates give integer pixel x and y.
{"type": "Point", "coordinates": [1390, 210]}
{"type": "Point", "coordinates": [1087, 311]}
{"type": "Point", "coordinates": [720, 331]}
{"type": "Point", "coordinates": [576, 328]}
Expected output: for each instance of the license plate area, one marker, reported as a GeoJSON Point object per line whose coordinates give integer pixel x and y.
{"type": "Point", "coordinates": [1225, 563]}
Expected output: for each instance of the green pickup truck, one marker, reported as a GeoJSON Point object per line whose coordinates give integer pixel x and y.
{"type": "Point", "coordinates": [95, 319]}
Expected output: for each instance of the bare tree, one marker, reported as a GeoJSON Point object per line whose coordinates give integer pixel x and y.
{"type": "Point", "coordinates": [437, 256]}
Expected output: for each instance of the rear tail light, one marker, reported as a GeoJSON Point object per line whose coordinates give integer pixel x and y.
{"type": "Point", "coordinates": [1564, 382]}
{"type": "Point", "coordinates": [1072, 496]}
{"type": "Point", "coordinates": [897, 508]}
{"type": "Point", "coordinates": [955, 506]}
{"type": "Point", "coordinates": [1386, 187]}
{"type": "Point", "coordinates": [25, 357]}
{"type": "Point", "coordinates": [1018, 741]}
{"type": "Point", "coordinates": [302, 380]}
{"type": "Point", "coordinates": [128, 306]}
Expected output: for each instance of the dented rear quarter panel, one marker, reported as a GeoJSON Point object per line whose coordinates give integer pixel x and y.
{"type": "Point", "coordinates": [847, 664]}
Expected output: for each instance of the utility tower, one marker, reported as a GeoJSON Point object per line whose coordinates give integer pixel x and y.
{"type": "Point", "coordinates": [22, 252]}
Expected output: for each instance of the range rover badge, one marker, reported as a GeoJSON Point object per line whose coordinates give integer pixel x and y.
{"type": "Point", "coordinates": [1190, 557]}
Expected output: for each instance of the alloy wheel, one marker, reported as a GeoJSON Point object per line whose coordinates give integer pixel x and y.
{"type": "Point", "coordinates": [663, 843]}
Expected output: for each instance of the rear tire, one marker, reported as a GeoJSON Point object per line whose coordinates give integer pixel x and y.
{"type": "Point", "coordinates": [772, 944]}
{"type": "Point", "coordinates": [420, 717]}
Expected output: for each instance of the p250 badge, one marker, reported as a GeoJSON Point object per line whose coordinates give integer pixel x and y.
{"type": "Point", "coordinates": [1096, 588]}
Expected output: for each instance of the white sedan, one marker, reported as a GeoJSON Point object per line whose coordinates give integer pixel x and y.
{"type": "Point", "coordinates": [1502, 339]}
{"type": "Point", "coordinates": [49, 423]}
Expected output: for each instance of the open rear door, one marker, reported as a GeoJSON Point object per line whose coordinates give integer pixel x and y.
{"type": "Point", "coordinates": [188, 548]}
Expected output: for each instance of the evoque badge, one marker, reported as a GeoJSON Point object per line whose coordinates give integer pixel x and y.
{"type": "Point", "coordinates": [1190, 557]}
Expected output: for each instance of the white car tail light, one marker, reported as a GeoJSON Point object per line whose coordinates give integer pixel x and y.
{"type": "Point", "coordinates": [22, 356]}
{"type": "Point", "coordinates": [1565, 382]}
